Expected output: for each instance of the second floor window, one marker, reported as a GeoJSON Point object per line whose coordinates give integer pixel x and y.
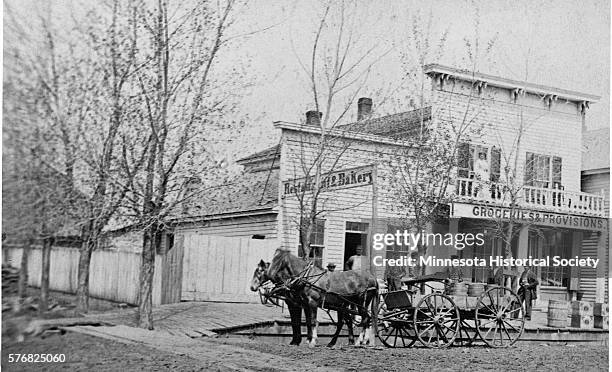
{"type": "Point", "coordinates": [478, 161]}
{"type": "Point", "coordinates": [543, 171]}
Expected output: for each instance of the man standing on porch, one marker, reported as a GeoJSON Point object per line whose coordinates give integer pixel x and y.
{"type": "Point", "coordinates": [528, 289]}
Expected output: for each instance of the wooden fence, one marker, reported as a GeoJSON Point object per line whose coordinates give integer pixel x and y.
{"type": "Point", "coordinates": [217, 268]}
{"type": "Point", "coordinates": [198, 268]}
{"type": "Point", "coordinates": [112, 276]}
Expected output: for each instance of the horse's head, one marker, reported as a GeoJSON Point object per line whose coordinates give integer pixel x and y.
{"type": "Point", "coordinates": [260, 275]}
{"type": "Point", "coordinates": [285, 266]}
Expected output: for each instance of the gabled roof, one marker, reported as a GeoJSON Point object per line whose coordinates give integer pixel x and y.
{"type": "Point", "coordinates": [266, 154]}
{"type": "Point", "coordinates": [403, 124]}
{"type": "Point", "coordinates": [247, 192]}
{"type": "Point", "coordinates": [596, 149]}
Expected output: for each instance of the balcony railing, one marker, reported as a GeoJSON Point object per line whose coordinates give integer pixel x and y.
{"type": "Point", "coordinates": [538, 198]}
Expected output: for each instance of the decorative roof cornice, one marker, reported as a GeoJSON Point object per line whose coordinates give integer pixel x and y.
{"type": "Point", "coordinates": [446, 72]}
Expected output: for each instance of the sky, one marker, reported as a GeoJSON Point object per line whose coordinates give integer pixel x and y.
{"type": "Point", "coordinates": [559, 43]}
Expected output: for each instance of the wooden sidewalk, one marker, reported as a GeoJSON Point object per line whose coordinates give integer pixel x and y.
{"type": "Point", "coordinates": [196, 319]}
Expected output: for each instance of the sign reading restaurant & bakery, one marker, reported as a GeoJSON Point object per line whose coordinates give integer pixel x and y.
{"type": "Point", "coordinates": [459, 210]}
{"type": "Point", "coordinates": [353, 177]}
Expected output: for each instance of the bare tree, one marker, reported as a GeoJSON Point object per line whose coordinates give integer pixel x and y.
{"type": "Point", "coordinates": [78, 95]}
{"type": "Point", "coordinates": [425, 167]}
{"type": "Point", "coordinates": [182, 103]}
{"type": "Point", "coordinates": [336, 72]}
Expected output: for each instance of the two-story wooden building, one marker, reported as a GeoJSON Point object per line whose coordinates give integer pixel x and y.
{"type": "Point", "coordinates": [522, 166]}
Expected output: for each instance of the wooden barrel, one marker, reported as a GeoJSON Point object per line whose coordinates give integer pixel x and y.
{"type": "Point", "coordinates": [457, 289]}
{"type": "Point", "coordinates": [557, 313]}
{"type": "Point", "coordinates": [476, 289]}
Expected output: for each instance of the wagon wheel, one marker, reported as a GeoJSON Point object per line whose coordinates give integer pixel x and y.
{"type": "Point", "coordinates": [395, 328]}
{"type": "Point", "coordinates": [436, 320]}
{"type": "Point", "coordinates": [499, 317]}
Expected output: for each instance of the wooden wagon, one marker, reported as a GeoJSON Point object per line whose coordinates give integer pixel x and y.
{"type": "Point", "coordinates": [438, 319]}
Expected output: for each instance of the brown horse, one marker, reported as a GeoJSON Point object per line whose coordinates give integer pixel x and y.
{"type": "Point", "coordinates": [315, 287]}
{"type": "Point", "coordinates": [260, 276]}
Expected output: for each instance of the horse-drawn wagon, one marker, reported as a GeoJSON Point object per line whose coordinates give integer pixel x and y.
{"type": "Point", "coordinates": [421, 311]}
{"type": "Point", "coordinates": [439, 319]}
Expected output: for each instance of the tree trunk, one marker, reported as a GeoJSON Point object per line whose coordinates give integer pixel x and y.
{"type": "Point", "coordinates": [152, 238]}
{"type": "Point", "coordinates": [83, 277]}
{"type": "Point", "coordinates": [22, 285]}
{"type": "Point", "coordinates": [508, 243]}
{"type": "Point", "coordinates": [44, 278]}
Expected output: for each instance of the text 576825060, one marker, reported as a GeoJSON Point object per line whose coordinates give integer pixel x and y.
{"type": "Point", "coordinates": [36, 358]}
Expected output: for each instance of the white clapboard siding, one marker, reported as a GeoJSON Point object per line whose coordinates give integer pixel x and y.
{"type": "Point", "coordinates": [546, 131]}
{"type": "Point", "coordinates": [112, 275]}
{"type": "Point", "coordinates": [217, 268]}
{"type": "Point", "coordinates": [243, 227]}
{"type": "Point", "coordinates": [596, 184]}
{"type": "Point", "coordinates": [588, 276]}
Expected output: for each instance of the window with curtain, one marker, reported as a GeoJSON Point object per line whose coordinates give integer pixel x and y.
{"type": "Point", "coordinates": [543, 171]}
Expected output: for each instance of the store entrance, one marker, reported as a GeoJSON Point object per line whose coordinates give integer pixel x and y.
{"type": "Point", "coordinates": [355, 240]}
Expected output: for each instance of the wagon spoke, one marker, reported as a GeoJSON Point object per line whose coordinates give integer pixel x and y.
{"type": "Point", "coordinates": [489, 316]}
{"type": "Point", "coordinates": [506, 331]}
{"type": "Point", "coordinates": [429, 316]}
{"type": "Point", "coordinates": [489, 322]}
{"type": "Point", "coordinates": [443, 334]}
{"type": "Point", "coordinates": [430, 337]}
{"type": "Point", "coordinates": [447, 327]}
{"type": "Point", "coordinates": [450, 310]}
{"type": "Point", "coordinates": [425, 322]}
{"type": "Point", "coordinates": [489, 330]}
{"type": "Point", "coordinates": [425, 330]}
{"type": "Point", "coordinates": [492, 302]}
{"type": "Point", "coordinates": [388, 335]}
{"type": "Point", "coordinates": [513, 328]}
{"type": "Point", "coordinates": [513, 310]}
{"type": "Point", "coordinates": [402, 336]}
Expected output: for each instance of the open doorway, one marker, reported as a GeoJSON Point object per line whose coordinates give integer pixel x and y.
{"type": "Point", "coordinates": [355, 240]}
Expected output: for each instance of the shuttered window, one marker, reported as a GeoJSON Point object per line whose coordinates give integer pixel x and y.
{"type": "Point", "coordinates": [467, 155]}
{"type": "Point", "coordinates": [495, 164]}
{"type": "Point", "coordinates": [463, 160]}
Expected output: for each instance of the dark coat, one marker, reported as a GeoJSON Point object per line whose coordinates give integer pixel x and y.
{"type": "Point", "coordinates": [532, 283]}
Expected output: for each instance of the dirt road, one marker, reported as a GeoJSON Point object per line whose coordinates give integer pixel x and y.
{"type": "Point", "coordinates": [84, 352]}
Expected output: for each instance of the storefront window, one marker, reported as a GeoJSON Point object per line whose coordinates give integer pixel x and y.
{"type": "Point", "coordinates": [550, 243]}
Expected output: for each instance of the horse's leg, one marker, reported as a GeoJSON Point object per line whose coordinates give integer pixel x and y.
{"type": "Point", "coordinates": [295, 310]}
{"type": "Point", "coordinates": [349, 324]}
{"type": "Point", "coordinates": [308, 316]}
{"type": "Point", "coordinates": [367, 320]}
{"type": "Point", "coordinates": [313, 319]}
{"type": "Point", "coordinates": [340, 315]}
{"type": "Point", "coordinates": [364, 336]}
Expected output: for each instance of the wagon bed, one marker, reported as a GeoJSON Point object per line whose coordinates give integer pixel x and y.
{"type": "Point", "coordinates": [439, 320]}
